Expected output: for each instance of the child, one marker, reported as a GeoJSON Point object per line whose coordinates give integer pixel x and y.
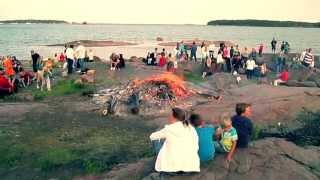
{"type": "Point", "coordinates": [205, 133]}
{"type": "Point", "coordinates": [228, 138]}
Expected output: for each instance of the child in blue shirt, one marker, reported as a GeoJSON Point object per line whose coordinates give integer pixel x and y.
{"type": "Point", "coordinates": [205, 133]}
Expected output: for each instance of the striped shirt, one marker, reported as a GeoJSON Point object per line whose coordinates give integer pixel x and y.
{"type": "Point", "coordinates": [308, 58]}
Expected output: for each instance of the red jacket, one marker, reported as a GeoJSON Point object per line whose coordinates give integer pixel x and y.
{"type": "Point", "coordinates": [4, 83]}
{"type": "Point", "coordinates": [284, 76]}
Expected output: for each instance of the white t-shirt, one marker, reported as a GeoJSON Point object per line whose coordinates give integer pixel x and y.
{"type": "Point", "coordinates": [70, 53]}
{"type": "Point", "coordinates": [220, 60]}
{"type": "Point", "coordinates": [251, 64]}
{"type": "Point", "coordinates": [81, 52]}
{"type": "Point", "coordinates": [90, 55]}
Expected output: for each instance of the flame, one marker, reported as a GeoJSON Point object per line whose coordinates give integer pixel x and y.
{"type": "Point", "coordinates": [175, 83]}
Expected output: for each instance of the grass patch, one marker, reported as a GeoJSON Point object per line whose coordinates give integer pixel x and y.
{"type": "Point", "coordinates": [64, 145]}
{"type": "Point", "coordinates": [63, 87]}
{"type": "Point", "coordinates": [193, 77]}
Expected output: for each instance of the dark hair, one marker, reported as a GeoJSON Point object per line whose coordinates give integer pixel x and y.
{"type": "Point", "coordinates": [71, 46]}
{"type": "Point", "coordinates": [195, 120]}
{"type": "Point", "coordinates": [135, 110]}
{"type": "Point", "coordinates": [180, 115]}
{"type": "Point", "coordinates": [241, 108]}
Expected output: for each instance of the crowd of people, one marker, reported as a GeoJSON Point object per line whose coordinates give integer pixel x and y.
{"type": "Point", "coordinates": [184, 143]}
{"type": "Point", "coordinates": [13, 74]}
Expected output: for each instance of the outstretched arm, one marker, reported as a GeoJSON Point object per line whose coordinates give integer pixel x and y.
{"type": "Point", "coordinates": [232, 151]}
{"type": "Point", "coordinates": [158, 135]}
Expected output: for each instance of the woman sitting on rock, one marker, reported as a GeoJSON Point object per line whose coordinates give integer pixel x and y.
{"type": "Point", "coordinates": [179, 151]}
{"type": "Point", "coordinates": [282, 78]}
{"type": "Point", "coordinates": [114, 61]}
{"type": "Point", "coordinates": [121, 63]}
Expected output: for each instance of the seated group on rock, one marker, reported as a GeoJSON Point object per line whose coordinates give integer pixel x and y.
{"type": "Point", "coordinates": [183, 144]}
{"type": "Point", "coordinates": [117, 62]}
{"type": "Point", "coordinates": [161, 59]}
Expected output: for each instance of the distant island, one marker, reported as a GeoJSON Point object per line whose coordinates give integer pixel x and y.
{"type": "Point", "coordinates": [32, 21]}
{"type": "Point", "coordinates": [263, 23]}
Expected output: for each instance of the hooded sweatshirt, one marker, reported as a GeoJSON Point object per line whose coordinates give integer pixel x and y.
{"type": "Point", "coordinates": [180, 149]}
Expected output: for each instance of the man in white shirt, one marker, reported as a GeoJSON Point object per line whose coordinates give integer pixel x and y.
{"type": "Point", "coordinates": [251, 64]}
{"type": "Point", "coordinates": [81, 55]}
{"type": "Point", "coordinates": [70, 58]}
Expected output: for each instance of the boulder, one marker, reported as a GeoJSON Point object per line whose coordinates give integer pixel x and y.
{"type": "Point", "coordinates": [159, 39]}
{"type": "Point", "coordinates": [266, 159]}
{"type": "Point", "coordinates": [295, 83]}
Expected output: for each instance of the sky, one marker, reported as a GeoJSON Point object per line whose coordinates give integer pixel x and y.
{"type": "Point", "coordinates": [159, 12]}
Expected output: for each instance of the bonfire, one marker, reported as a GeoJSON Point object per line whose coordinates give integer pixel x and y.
{"type": "Point", "coordinates": [153, 93]}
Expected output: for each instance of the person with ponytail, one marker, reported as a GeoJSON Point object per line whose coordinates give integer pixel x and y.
{"type": "Point", "coordinates": [179, 151]}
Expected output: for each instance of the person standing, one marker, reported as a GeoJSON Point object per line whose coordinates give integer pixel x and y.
{"type": "Point", "coordinates": [250, 64]}
{"type": "Point", "coordinates": [35, 58]}
{"type": "Point", "coordinates": [245, 55]}
{"type": "Point", "coordinates": [220, 62]}
{"type": "Point", "coordinates": [204, 50]}
{"type": "Point", "coordinates": [243, 124]}
{"type": "Point", "coordinates": [282, 46]}
{"type": "Point", "coordinates": [253, 54]}
{"type": "Point", "coordinates": [226, 57]}
{"type": "Point", "coordinates": [70, 58]}
{"type": "Point", "coordinates": [194, 48]}
{"type": "Point", "coordinates": [81, 55]}
{"type": "Point", "coordinates": [260, 50]}
{"type": "Point", "coordinates": [274, 45]}
{"type": "Point", "coordinates": [308, 60]}
{"type": "Point", "coordinates": [286, 47]}
{"type": "Point", "coordinates": [91, 55]}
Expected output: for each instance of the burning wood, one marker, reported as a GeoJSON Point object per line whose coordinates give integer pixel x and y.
{"type": "Point", "coordinates": [154, 93]}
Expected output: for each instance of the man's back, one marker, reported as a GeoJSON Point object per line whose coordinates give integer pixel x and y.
{"type": "Point", "coordinates": [244, 128]}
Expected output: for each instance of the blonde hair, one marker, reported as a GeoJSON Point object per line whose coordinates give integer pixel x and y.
{"type": "Point", "coordinates": [224, 119]}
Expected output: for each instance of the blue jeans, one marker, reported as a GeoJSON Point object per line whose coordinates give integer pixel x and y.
{"type": "Point", "coordinates": [219, 147]}
{"type": "Point", "coordinates": [82, 64]}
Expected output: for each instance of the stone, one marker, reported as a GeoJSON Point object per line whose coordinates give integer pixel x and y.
{"type": "Point", "coordinates": [159, 39]}
{"type": "Point", "coordinates": [266, 159]}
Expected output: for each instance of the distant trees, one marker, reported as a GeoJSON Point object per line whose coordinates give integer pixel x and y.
{"type": "Point", "coordinates": [263, 23]}
{"type": "Point", "coordinates": [34, 21]}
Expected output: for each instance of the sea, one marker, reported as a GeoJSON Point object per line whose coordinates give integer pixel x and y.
{"type": "Point", "coordinates": [19, 39]}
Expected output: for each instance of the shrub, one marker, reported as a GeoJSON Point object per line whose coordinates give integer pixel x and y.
{"type": "Point", "coordinates": [309, 132]}
{"type": "Point", "coordinates": [56, 157]}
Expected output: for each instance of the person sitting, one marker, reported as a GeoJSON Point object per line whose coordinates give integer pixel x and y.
{"type": "Point", "coordinates": [121, 63]}
{"type": "Point", "coordinates": [228, 137]}
{"type": "Point", "coordinates": [205, 133]}
{"type": "Point", "coordinates": [179, 151]}
{"type": "Point", "coordinates": [243, 124]}
{"type": "Point", "coordinates": [6, 88]}
{"type": "Point", "coordinates": [282, 78]}
{"type": "Point", "coordinates": [27, 77]}
{"type": "Point", "coordinates": [114, 61]}
{"type": "Point", "coordinates": [162, 60]}
{"type": "Point", "coordinates": [207, 68]}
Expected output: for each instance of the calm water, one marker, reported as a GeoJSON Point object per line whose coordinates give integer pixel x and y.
{"type": "Point", "coordinates": [19, 39]}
